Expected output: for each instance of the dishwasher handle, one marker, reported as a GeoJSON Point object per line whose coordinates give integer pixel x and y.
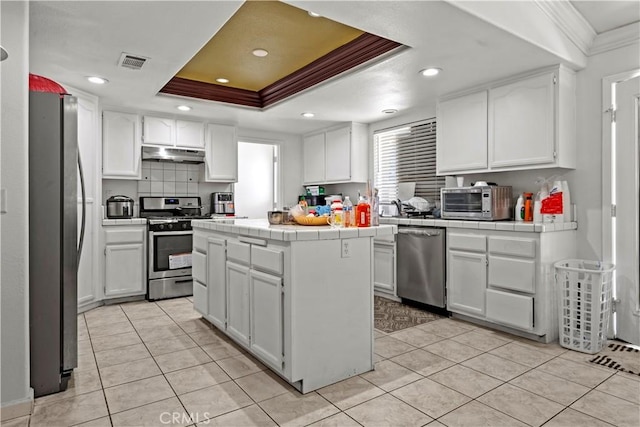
{"type": "Point", "coordinates": [420, 232]}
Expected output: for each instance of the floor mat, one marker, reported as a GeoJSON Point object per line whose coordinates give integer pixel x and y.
{"type": "Point", "coordinates": [391, 316]}
{"type": "Point", "coordinates": [619, 357]}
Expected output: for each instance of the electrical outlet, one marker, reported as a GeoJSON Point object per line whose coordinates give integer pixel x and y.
{"type": "Point", "coordinates": [346, 248]}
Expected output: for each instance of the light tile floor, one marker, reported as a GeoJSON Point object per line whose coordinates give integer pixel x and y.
{"type": "Point", "coordinates": [155, 364]}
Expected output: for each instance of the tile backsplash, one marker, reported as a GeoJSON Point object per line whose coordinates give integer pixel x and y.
{"type": "Point", "coordinates": [169, 179]}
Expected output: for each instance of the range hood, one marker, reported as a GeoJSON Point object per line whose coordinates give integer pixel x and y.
{"type": "Point", "coordinates": [178, 155]}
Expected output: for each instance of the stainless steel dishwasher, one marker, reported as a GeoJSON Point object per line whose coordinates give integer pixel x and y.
{"type": "Point", "coordinates": [421, 265]}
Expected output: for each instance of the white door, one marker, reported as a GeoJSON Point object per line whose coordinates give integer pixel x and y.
{"type": "Point", "coordinates": [238, 302]}
{"type": "Point", "coordinates": [384, 264]}
{"type": "Point", "coordinates": [255, 191]}
{"type": "Point", "coordinates": [159, 131]}
{"type": "Point", "coordinates": [121, 150]}
{"type": "Point", "coordinates": [124, 270]}
{"type": "Point", "coordinates": [217, 282]}
{"type": "Point", "coordinates": [467, 282]}
{"type": "Point", "coordinates": [189, 134]}
{"type": "Point", "coordinates": [266, 317]}
{"type": "Point", "coordinates": [624, 242]}
{"type": "Point", "coordinates": [221, 153]}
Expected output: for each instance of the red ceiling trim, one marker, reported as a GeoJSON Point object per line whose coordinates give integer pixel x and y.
{"type": "Point", "coordinates": [364, 48]}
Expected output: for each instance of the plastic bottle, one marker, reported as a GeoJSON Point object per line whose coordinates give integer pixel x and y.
{"type": "Point", "coordinates": [566, 202]}
{"type": "Point", "coordinates": [557, 188]}
{"type": "Point", "coordinates": [519, 211]}
{"type": "Point", "coordinates": [348, 214]}
{"type": "Point", "coordinates": [363, 213]}
{"type": "Point", "coordinates": [336, 213]}
{"type": "Point", "coordinates": [375, 208]}
{"type": "Point", "coordinates": [528, 207]}
{"type": "Point", "coordinates": [537, 204]}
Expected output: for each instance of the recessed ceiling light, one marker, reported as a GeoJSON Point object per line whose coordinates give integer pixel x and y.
{"type": "Point", "coordinates": [222, 80]}
{"type": "Point", "coordinates": [97, 80]}
{"type": "Point", "coordinates": [314, 15]}
{"type": "Point", "coordinates": [183, 108]}
{"type": "Point", "coordinates": [308, 115]}
{"type": "Point", "coordinates": [260, 52]}
{"type": "Point", "coordinates": [390, 111]}
{"type": "Point", "coordinates": [430, 72]}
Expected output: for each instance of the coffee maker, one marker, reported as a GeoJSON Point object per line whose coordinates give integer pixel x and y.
{"type": "Point", "coordinates": [222, 203]}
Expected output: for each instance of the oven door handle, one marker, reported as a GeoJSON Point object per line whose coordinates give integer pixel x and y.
{"type": "Point", "coordinates": [171, 233]}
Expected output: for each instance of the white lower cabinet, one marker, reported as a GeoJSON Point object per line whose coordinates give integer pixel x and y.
{"type": "Point", "coordinates": [125, 261]}
{"type": "Point", "coordinates": [216, 282]}
{"type": "Point", "coordinates": [467, 272]}
{"type": "Point", "coordinates": [507, 278]}
{"type": "Point", "coordinates": [266, 317]}
{"type": "Point", "coordinates": [384, 265]}
{"type": "Point", "coordinates": [238, 302]}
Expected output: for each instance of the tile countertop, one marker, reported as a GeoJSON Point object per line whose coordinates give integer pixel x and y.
{"type": "Point", "coordinates": [128, 221]}
{"type": "Point", "coordinates": [484, 225]}
{"type": "Point", "coordinates": [262, 228]}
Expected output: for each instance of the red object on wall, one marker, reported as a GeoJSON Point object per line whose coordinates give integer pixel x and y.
{"type": "Point", "coordinates": [43, 84]}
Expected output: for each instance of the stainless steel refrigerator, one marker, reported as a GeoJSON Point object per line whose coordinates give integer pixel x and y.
{"type": "Point", "coordinates": [54, 251]}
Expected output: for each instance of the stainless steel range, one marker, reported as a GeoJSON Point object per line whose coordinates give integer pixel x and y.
{"type": "Point", "coordinates": [170, 242]}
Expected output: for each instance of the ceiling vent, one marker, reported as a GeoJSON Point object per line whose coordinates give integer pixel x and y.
{"type": "Point", "coordinates": [133, 62]}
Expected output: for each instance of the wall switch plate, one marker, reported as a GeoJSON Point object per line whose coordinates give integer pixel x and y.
{"type": "Point", "coordinates": [346, 248]}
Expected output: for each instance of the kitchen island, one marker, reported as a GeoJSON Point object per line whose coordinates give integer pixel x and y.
{"type": "Point", "coordinates": [298, 298]}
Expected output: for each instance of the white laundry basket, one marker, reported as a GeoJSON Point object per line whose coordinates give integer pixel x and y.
{"type": "Point", "coordinates": [584, 303]}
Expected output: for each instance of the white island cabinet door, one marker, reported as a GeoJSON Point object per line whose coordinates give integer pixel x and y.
{"type": "Point", "coordinates": [461, 142]}
{"type": "Point", "coordinates": [221, 154]}
{"type": "Point", "coordinates": [121, 145]}
{"type": "Point", "coordinates": [238, 302]}
{"type": "Point", "coordinates": [266, 318]}
{"type": "Point", "coordinates": [384, 274]}
{"type": "Point", "coordinates": [467, 282]}
{"type": "Point", "coordinates": [522, 122]}
{"type": "Point", "coordinates": [314, 159]}
{"type": "Point", "coordinates": [216, 284]}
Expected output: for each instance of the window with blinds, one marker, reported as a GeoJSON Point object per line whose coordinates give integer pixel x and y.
{"type": "Point", "coordinates": [407, 154]}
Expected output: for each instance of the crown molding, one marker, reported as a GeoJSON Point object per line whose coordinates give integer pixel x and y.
{"type": "Point", "coordinates": [616, 38]}
{"type": "Point", "coordinates": [347, 57]}
{"type": "Point", "coordinates": [570, 22]}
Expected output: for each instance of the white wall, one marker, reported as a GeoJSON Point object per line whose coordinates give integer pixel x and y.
{"type": "Point", "coordinates": [14, 224]}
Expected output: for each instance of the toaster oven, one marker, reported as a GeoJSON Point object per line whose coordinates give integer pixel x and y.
{"type": "Point", "coordinates": [479, 203]}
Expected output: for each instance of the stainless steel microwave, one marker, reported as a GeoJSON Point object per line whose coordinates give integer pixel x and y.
{"type": "Point", "coordinates": [480, 203]}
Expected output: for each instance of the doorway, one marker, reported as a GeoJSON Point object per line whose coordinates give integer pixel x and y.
{"type": "Point", "coordinates": [257, 189]}
{"type": "Point", "coordinates": [621, 189]}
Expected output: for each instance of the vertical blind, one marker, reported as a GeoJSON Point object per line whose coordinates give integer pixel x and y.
{"type": "Point", "coordinates": [407, 154]}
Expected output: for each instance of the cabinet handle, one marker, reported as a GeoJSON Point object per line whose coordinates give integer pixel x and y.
{"type": "Point", "coordinates": [250, 240]}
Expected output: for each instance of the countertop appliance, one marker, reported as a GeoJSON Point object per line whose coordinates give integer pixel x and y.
{"type": "Point", "coordinates": [119, 207]}
{"type": "Point", "coordinates": [54, 244]}
{"type": "Point", "coordinates": [421, 265]}
{"type": "Point", "coordinates": [169, 244]}
{"type": "Point", "coordinates": [222, 203]}
{"type": "Point", "coordinates": [478, 203]}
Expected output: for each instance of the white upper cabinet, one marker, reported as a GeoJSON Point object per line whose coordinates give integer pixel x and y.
{"type": "Point", "coordinates": [121, 149]}
{"type": "Point", "coordinates": [336, 155]}
{"type": "Point", "coordinates": [314, 149]}
{"type": "Point", "coordinates": [521, 122]}
{"type": "Point", "coordinates": [158, 131]}
{"type": "Point", "coordinates": [461, 142]}
{"type": "Point", "coordinates": [221, 154]}
{"type": "Point", "coordinates": [190, 134]}
{"type": "Point", "coordinates": [173, 133]}
{"type": "Point", "coordinates": [528, 123]}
